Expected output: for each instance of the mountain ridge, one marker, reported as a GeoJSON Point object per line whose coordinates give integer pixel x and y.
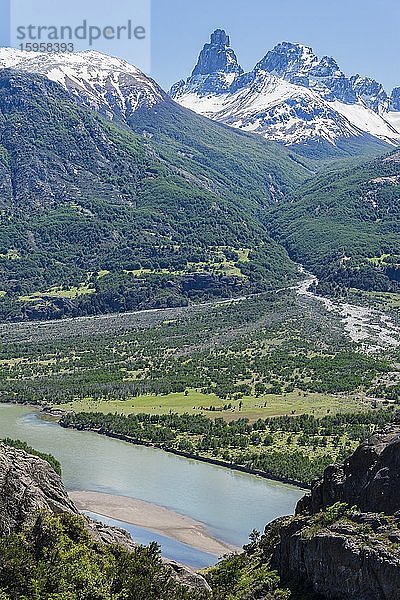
{"type": "Point", "coordinates": [293, 97]}
{"type": "Point", "coordinates": [109, 85]}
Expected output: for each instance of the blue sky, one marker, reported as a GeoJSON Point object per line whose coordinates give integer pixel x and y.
{"type": "Point", "coordinates": [363, 35]}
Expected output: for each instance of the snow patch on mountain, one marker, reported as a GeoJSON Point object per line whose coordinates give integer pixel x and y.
{"type": "Point", "coordinates": [275, 108]}
{"type": "Point", "coordinates": [367, 120]}
{"type": "Point", "coordinates": [393, 118]}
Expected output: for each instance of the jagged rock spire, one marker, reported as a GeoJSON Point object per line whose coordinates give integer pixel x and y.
{"type": "Point", "coordinates": [220, 37]}
{"type": "Point", "coordinates": [217, 56]}
{"type": "Point", "coordinates": [371, 92]}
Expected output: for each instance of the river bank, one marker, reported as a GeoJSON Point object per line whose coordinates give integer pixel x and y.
{"type": "Point", "coordinates": [228, 504]}
{"type": "Point", "coordinates": [153, 517]}
{"type": "Point", "coordinates": [372, 329]}
{"type": "Point", "coordinates": [198, 457]}
{"type": "Point", "coordinates": [55, 416]}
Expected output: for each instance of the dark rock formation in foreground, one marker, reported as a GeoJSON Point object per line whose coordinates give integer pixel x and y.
{"type": "Point", "coordinates": [369, 479]}
{"type": "Point", "coordinates": [355, 557]}
{"type": "Point", "coordinates": [344, 542]}
{"type": "Point", "coordinates": [29, 484]}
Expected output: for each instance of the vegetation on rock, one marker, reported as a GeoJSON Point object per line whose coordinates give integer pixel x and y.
{"type": "Point", "coordinates": [53, 462]}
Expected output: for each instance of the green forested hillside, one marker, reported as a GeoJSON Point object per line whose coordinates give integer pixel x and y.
{"type": "Point", "coordinates": [170, 208]}
{"type": "Point", "coordinates": [55, 558]}
{"type": "Point", "coordinates": [97, 218]}
{"type": "Point", "coordinates": [231, 158]}
{"type": "Point", "coordinates": [344, 225]}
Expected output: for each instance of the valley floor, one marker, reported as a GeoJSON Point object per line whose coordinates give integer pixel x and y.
{"type": "Point", "coordinates": [242, 363]}
{"type": "Point", "coordinates": [194, 402]}
{"type": "Point", "coordinates": [373, 329]}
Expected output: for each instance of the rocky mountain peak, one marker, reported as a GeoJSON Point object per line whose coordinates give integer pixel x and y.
{"type": "Point", "coordinates": [289, 61]}
{"type": "Point", "coordinates": [395, 99]}
{"type": "Point", "coordinates": [328, 79]}
{"type": "Point", "coordinates": [217, 56]}
{"type": "Point", "coordinates": [104, 83]}
{"type": "Point", "coordinates": [326, 67]}
{"type": "Point", "coordinates": [291, 96]}
{"type": "Point", "coordinates": [216, 69]}
{"type": "Point", "coordinates": [371, 92]}
{"type": "Point", "coordinates": [220, 37]}
{"type": "Point", "coordinates": [298, 64]}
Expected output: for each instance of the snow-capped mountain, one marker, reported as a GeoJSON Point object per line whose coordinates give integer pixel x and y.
{"type": "Point", "coordinates": [299, 65]}
{"type": "Point", "coordinates": [109, 85]}
{"type": "Point", "coordinates": [274, 108]}
{"type": "Point", "coordinates": [217, 67]}
{"type": "Point", "coordinates": [291, 96]}
{"type": "Point", "coordinates": [371, 92]}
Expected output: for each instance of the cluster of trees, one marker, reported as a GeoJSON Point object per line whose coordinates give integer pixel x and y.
{"type": "Point", "coordinates": [99, 371]}
{"type": "Point", "coordinates": [134, 284]}
{"type": "Point", "coordinates": [55, 559]}
{"type": "Point", "coordinates": [256, 446]}
{"type": "Point", "coordinates": [247, 575]}
{"type": "Point", "coordinates": [389, 392]}
{"type": "Point", "coordinates": [329, 424]}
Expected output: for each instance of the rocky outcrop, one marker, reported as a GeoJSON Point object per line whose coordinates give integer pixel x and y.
{"type": "Point", "coordinates": [369, 479]}
{"type": "Point", "coordinates": [357, 557]}
{"type": "Point", "coordinates": [371, 92]}
{"type": "Point", "coordinates": [344, 542]}
{"type": "Point", "coordinates": [29, 484]}
{"type": "Point", "coordinates": [216, 69]}
{"type": "Point", "coordinates": [395, 99]}
{"type": "Point", "coordinates": [217, 56]}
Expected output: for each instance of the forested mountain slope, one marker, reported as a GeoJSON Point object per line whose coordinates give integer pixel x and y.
{"type": "Point", "coordinates": [344, 226]}
{"type": "Point", "coordinates": [96, 218]}
{"type": "Point", "coordinates": [119, 201]}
